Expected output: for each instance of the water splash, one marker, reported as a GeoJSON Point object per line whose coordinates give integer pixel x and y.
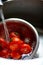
{"type": "Point", "coordinates": [5, 26]}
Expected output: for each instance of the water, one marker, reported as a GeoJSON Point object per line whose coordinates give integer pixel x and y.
{"type": "Point", "coordinates": [5, 26]}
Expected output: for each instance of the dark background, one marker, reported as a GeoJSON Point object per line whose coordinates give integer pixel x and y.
{"type": "Point", "coordinates": [30, 10]}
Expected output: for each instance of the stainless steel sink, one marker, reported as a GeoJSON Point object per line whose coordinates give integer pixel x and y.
{"type": "Point", "coordinates": [39, 53]}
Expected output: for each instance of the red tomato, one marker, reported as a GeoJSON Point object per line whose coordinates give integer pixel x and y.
{"type": "Point", "coordinates": [4, 53]}
{"type": "Point", "coordinates": [3, 43]}
{"type": "Point", "coordinates": [25, 48]}
{"type": "Point", "coordinates": [17, 40]}
{"type": "Point", "coordinates": [13, 46]}
{"type": "Point", "coordinates": [15, 55]}
{"type": "Point", "coordinates": [14, 34]}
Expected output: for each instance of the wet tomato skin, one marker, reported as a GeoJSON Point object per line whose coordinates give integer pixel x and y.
{"type": "Point", "coordinates": [3, 43]}
{"type": "Point", "coordinates": [15, 48]}
{"type": "Point", "coordinates": [25, 49]}
{"type": "Point", "coordinates": [17, 40]}
{"type": "Point", "coordinates": [4, 53]}
{"type": "Point", "coordinates": [15, 44]}
{"type": "Point", "coordinates": [15, 55]}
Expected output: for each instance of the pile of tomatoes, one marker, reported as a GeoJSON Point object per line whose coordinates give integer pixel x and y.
{"type": "Point", "coordinates": [15, 48]}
